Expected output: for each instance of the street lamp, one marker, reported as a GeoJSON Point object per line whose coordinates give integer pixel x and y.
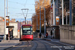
{"type": "Point", "coordinates": [26, 14]}
{"type": "Point", "coordinates": [36, 22]}
{"type": "Point", "coordinates": [70, 6]}
{"type": "Point", "coordinates": [54, 18]}
{"type": "Point", "coordinates": [62, 12]}
{"type": "Point", "coordinates": [66, 17]}
{"type": "Point", "coordinates": [51, 18]}
{"type": "Point", "coordinates": [44, 21]}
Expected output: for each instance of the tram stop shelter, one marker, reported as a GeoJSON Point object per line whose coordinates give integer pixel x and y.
{"type": "Point", "coordinates": [10, 32]}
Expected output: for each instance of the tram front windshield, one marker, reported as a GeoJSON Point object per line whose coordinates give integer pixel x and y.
{"type": "Point", "coordinates": [27, 30]}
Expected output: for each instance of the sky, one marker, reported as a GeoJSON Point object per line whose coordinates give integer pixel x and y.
{"type": "Point", "coordinates": [14, 9]}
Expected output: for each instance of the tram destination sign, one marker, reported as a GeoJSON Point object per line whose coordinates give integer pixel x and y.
{"type": "Point", "coordinates": [26, 26]}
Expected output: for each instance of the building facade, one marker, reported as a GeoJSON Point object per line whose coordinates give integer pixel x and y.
{"type": "Point", "coordinates": [73, 11]}
{"type": "Point", "coordinates": [58, 11]}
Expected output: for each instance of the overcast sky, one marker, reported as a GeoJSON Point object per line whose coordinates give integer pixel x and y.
{"type": "Point", "coordinates": [15, 6]}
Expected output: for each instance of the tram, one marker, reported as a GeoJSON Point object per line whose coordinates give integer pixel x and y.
{"type": "Point", "coordinates": [26, 32]}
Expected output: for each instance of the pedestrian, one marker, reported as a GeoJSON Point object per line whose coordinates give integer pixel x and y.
{"type": "Point", "coordinates": [46, 34]}
{"type": "Point", "coordinates": [10, 33]}
{"type": "Point", "coordinates": [51, 34]}
{"type": "Point", "coordinates": [40, 35]}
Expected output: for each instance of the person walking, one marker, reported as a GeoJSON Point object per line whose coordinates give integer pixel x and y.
{"type": "Point", "coordinates": [46, 34]}
{"type": "Point", "coordinates": [40, 35]}
{"type": "Point", "coordinates": [51, 34]}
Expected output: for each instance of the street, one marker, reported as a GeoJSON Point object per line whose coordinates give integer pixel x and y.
{"type": "Point", "coordinates": [43, 24]}
{"type": "Point", "coordinates": [41, 44]}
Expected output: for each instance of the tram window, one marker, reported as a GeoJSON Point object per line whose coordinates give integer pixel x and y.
{"type": "Point", "coordinates": [27, 30]}
{"type": "Point", "coordinates": [24, 31]}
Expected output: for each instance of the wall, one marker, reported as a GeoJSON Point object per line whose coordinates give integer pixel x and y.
{"type": "Point", "coordinates": [1, 27]}
{"type": "Point", "coordinates": [49, 31]}
{"type": "Point", "coordinates": [55, 30]}
{"type": "Point", "coordinates": [67, 34]}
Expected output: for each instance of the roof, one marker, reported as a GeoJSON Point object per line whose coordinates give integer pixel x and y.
{"type": "Point", "coordinates": [10, 27]}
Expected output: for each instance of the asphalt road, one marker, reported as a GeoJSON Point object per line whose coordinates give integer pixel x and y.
{"type": "Point", "coordinates": [40, 44]}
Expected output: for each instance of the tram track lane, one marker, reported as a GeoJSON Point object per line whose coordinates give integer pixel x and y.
{"type": "Point", "coordinates": [35, 45]}
{"type": "Point", "coordinates": [47, 45]}
{"type": "Point", "coordinates": [22, 46]}
{"type": "Point", "coordinates": [26, 47]}
{"type": "Point", "coordinates": [58, 45]}
{"type": "Point", "coordinates": [40, 46]}
{"type": "Point", "coordinates": [61, 46]}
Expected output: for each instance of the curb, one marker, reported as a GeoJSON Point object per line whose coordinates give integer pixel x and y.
{"type": "Point", "coordinates": [47, 39]}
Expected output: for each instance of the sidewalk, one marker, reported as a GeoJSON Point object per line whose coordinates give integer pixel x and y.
{"type": "Point", "coordinates": [8, 43]}
{"type": "Point", "coordinates": [49, 39]}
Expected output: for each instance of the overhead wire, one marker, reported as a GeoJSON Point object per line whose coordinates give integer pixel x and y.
{"type": "Point", "coordinates": [25, 3]}
{"type": "Point", "coordinates": [21, 4]}
{"type": "Point", "coordinates": [16, 2]}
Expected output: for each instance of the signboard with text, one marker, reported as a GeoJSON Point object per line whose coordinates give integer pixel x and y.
{"type": "Point", "coordinates": [7, 20]}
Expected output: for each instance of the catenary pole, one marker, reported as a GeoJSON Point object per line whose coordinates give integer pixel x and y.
{"type": "Point", "coordinates": [5, 20]}
{"type": "Point", "coordinates": [66, 18]}
{"type": "Point", "coordinates": [7, 7]}
{"type": "Point", "coordinates": [26, 14]}
{"type": "Point", "coordinates": [70, 18]}
{"type": "Point", "coordinates": [51, 19]}
{"type": "Point", "coordinates": [37, 22]}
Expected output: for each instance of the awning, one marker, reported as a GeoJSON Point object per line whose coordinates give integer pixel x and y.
{"type": "Point", "coordinates": [10, 27]}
